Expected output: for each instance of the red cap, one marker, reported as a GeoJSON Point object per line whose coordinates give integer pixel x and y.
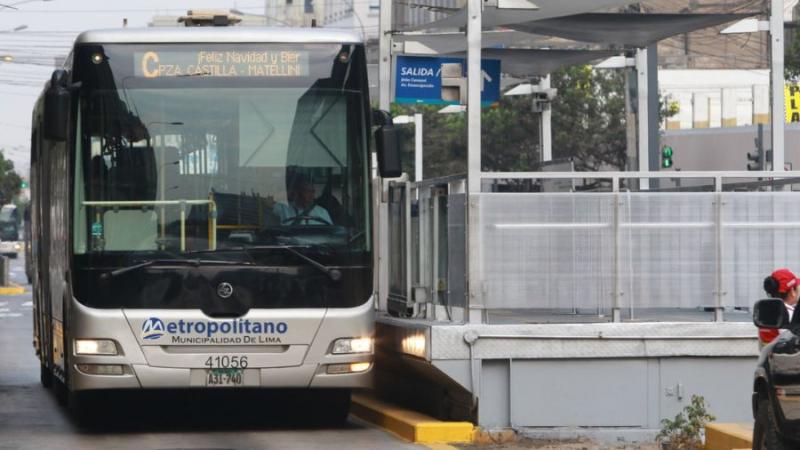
{"type": "Point", "coordinates": [786, 280]}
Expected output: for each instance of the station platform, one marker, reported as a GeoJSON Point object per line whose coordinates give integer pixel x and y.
{"type": "Point", "coordinates": [605, 381]}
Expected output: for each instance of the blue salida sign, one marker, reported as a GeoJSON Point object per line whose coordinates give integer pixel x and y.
{"type": "Point", "coordinates": [442, 81]}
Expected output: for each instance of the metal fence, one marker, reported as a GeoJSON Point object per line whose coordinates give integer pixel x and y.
{"type": "Point", "coordinates": [669, 254]}
{"type": "Point", "coordinates": [427, 260]}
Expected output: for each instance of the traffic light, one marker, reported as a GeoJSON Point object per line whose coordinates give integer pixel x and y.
{"type": "Point", "coordinates": [756, 159]}
{"type": "Point", "coordinates": [24, 184]}
{"type": "Point", "coordinates": [666, 157]}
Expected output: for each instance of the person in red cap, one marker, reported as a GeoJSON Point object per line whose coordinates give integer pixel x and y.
{"type": "Point", "coordinates": [782, 284]}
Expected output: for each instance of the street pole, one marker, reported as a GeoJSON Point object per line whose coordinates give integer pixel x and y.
{"type": "Point", "coordinates": [642, 115]}
{"type": "Point", "coordinates": [547, 130]}
{"type": "Point", "coordinates": [417, 147]}
{"type": "Point", "coordinates": [653, 124]}
{"type": "Point", "coordinates": [474, 271]}
{"type": "Point", "coordinates": [777, 81]}
{"type": "Point", "coordinates": [474, 95]}
{"type": "Point", "coordinates": [385, 55]}
{"type": "Point", "coordinates": [381, 213]}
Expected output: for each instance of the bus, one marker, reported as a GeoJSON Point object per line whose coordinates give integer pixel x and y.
{"type": "Point", "coordinates": [9, 223]}
{"type": "Point", "coordinates": [201, 213]}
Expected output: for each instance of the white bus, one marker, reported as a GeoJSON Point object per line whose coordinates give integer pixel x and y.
{"type": "Point", "coordinates": [201, 213]}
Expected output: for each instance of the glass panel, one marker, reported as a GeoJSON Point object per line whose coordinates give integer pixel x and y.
{"type": "Point", "coordinates": [760, 233]}
{"type": "Point", "coordinates": [234, 151]}
{"type": "Point", "coordinates": [548, 251]}
{"type": "Point", "coordinates": [397, 242]}
{"type": "Point", "coordinates": [667, 254]}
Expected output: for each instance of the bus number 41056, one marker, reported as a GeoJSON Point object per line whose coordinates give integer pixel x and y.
{"type": "Point", "coordinates": [226, 362]}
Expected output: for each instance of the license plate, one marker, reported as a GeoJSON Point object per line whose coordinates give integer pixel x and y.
{"type": "Point", "coordinates": [219, 377]}
{"type": "Point", "coordinates": [224, 377]}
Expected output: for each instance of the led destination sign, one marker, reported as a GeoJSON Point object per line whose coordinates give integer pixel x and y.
{"type": "Point", "coordinates": [226, 63]}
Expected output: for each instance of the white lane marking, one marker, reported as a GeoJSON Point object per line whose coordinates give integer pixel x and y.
{"type": "Point", "coordinates": [10, 315]}
{"type": "Point", "coordinates": [28, 304]}
{"type": "Point", "coordinates": [2, 310]}
{"type": "Point", "coordinates": [3, 303]}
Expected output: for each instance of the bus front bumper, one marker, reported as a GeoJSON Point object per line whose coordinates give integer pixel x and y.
{"type": "Point", "coordinates": [148, 377]}
{"type": "Point", "coordinates": [304, 359]}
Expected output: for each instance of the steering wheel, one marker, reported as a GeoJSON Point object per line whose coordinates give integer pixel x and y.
{"type": "Point", "coordinates": [297, 219]}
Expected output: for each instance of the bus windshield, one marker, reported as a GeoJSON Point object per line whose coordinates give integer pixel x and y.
{"type": "Point", "coordinates": [232, 152]}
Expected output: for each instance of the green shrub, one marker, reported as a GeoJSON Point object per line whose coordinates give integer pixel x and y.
{"type": "Point", "coordinates": [685, 431]}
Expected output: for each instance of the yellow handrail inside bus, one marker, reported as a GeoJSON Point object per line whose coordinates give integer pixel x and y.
{"type": "Point", "coordinates": [212, 227]}
{"type": "Point", "coordinates": [212, 212]}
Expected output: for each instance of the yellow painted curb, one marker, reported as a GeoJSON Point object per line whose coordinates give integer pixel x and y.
{"type": "Point", "coordinates": [12, 290]}
{"type": "Point", "coordinates": [729, 436]}
{"type": "Point", "coordinates": [410, 425]}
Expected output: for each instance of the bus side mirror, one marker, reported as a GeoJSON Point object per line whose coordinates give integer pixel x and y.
{"type": "Point", "coordinates": [389, 163]}
{"type": "Point", "coordinates": [770, 313]}
{"type": "Point", "coordinates": [56, 108]}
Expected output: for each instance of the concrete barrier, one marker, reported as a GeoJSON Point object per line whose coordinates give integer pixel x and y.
{"type": "Point", "coordinates": [410, 425]}
{"type": "Point", "coordinates": [729, 436]}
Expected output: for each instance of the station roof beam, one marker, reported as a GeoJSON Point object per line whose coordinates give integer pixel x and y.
{"type": "Point", "coordinates": [624, 29]}
{"type": "Point", "coordinates": [495, 16]}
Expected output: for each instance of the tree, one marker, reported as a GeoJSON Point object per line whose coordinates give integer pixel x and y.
{"type": "Point", "coordinates": [10, 181]}
{"type": "Point", "coordinates": [589, 118]}
{"type": "Point", "coordinates": [588, 125]}
{"type": "Point", "coordinates": [791, 67]}
{"type": "Point", "coordinates": [510, 138]}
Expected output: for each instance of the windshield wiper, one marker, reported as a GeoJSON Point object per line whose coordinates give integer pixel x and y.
{"type": "Point", "coordinates": [186, 261]}
{"type": "Point", "coordinates": [334, 274]}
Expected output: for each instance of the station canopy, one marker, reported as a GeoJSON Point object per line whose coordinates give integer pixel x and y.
{"type": "Point", "coordinates": [550, 34]}
{"type": "Point", "coordinates": [493, 16]}
{"type": "Point", "coordinates": [526, 62]}
{"type": "Point", "coordinates": [628, 30]}
{"type": "Point", "coordinates": [418, 43]}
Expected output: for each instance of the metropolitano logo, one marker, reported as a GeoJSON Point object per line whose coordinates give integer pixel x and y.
{"type": "Point", "coordinates": [152, 328]}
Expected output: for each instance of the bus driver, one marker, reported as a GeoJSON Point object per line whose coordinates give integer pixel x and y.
{"type": "Point", "coordinates": [300, 208]}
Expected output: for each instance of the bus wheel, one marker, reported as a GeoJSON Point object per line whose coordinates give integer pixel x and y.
{"type": "Point", "coordinates": [45, 376]}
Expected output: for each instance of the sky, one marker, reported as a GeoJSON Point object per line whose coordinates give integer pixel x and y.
{"type": "Point", "coordinates": [51, 28]}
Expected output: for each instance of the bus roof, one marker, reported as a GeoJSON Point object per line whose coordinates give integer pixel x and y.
{"type": "Point", "coordinates": [206, 35]}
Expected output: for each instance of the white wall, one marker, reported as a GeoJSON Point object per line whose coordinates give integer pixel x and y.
{"type": "Point", "coordinates": [714, 98]}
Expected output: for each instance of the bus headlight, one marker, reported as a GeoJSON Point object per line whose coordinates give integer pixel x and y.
{"type": "Point", "coordinates": [352, 345]}
{"type": "Point", "coordinates": [95, 347]}
{"type": "Point", "coordinates": [336, 369]}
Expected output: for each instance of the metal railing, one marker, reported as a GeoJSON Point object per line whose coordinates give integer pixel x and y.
{"type": "Point", "coordinates": [427, 226]}
{"type": "Point", "coordinates": [619, 253]}
{"type": "Point", "coordinates": [212, 214]}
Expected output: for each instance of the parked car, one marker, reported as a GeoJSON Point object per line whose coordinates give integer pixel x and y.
{"type": "Point", "coordinates": [776, 387]}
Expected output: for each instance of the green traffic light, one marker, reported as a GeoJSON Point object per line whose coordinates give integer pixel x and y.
{"type": "Point", "coordinates": [24, 185]}
{"type": "Point", "coordinates": [666, 157]}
